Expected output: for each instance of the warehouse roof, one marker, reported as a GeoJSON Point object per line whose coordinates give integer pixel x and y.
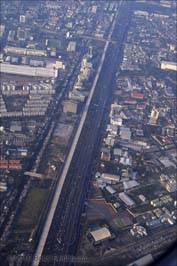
{"type": "Point", "coordinates": [101, 234]}
{"type": "Point", "coordinates": [130, 184]}
{"type": "Point", "coordinates": [110, 190]}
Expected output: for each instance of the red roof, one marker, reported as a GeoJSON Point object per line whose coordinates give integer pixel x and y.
{"type": "Point", "coordinates": [3, 161]}
{"type": "Point", "coordinates": [137, 95]}
{"type": "Point", "coordinates": [4, 166]}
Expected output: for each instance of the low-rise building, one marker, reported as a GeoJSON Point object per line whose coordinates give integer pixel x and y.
{"type": "Point", "coordinates": [126, 199]}
{"type": "Point", "coordinates": [70, 106]}
{"type": "Point", "coordinates": [110, 178]}
{"type": "Point", "coordinates": [169, 65]}
{"type": "Point", "coordinates": [28, 71]}
{"type": "Point", "coordinates": [100, 235]}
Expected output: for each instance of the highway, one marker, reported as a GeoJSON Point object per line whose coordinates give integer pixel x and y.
{"type": "Point", "coordinates": [69, 192]}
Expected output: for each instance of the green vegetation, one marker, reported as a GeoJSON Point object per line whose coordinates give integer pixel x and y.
{"type": "Point", "coordinates": [31, 209]}
{"type": "Point", "coordinates": [119, 222]}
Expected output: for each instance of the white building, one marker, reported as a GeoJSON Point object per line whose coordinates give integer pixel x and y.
{"type": "Point", "coordinates": [126, 199]}
{"type": "Point", "coordinates": [100, 234]}
{"type": "Point", "coordinates": [110, 189]}
{"type": "Point", "coordinates": [22, 19]}
{"type": "Point", "coordinates": [71, 47]}
{"type": "Point", "coordinates": [110, 178]}
{"type": "Point", "coordinates": [28, 71]}
{"type": "Point", "coordinates": [130, 184]}
{"type": "Point", "coordinates": [169, 65]}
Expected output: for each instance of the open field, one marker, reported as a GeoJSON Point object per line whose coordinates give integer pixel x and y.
{"type": "Point", "coordinates": [32, 208]}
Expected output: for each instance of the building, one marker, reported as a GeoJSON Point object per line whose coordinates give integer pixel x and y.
{"type": "Point", "coordinates": [70, 106]}
{"type": "Point", "coordinates": [3, 186]}
{"type": "Point", "coordinates": [71, 47]}
{"type": "Point", "coordinates": [2, 28]}
{"type": "Point", "coordinates": [112, 129]}
{"type": "Point", "coordinates": [125, 133]}
{"type": "Point", "coordinates": [36, 63]}
{"type": "Point", "coordinates": [2, 105]}
{"type": "Point", "coordinates": [28, 71]}
{"type": "Point", "coordinates": [77, 95]}
{"type": "Point", "coordinates": [59, 64]}
{"type": "Point", "coordinates": [169, 65]}
{"type": "Point", "coordinates": [22, 19]}
{"type": "Point", "coordinates": [100, 235]}
{"type": "Point", "coordinates": [142, 198]}
{"type": "Point", "coordinates": [15, 128]}
{"type": "Point", "coordinates": [110, 178]}
{"type": "Point", "coordinates": [126, 199]}
{"type": "Point", "coordinates": [138, 231]}
{"type": "Point", "coordinates": [130, 184]}
{"type": "Point", "coordinates": [169, 183]}
{"type": "Point", "coordinates": [154, 223]}
{"type": "Point", "coordinates": [10, 164]}
{"type": "Point", "coordinates": [110, 189]}
{"type": "Point", "coordinates": [146, 260]}
{"type": "Point", "coordinates": [21, 34]}
{"type": "Point", "coordinates": [137, 95]}
{"type": "Point", "coordinates": [24, 51]}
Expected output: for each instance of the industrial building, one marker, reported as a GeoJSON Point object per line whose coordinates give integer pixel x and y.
{"type": "Point", "coordinates": [100, 235]}
{"type": "Point", "coordinates": [110, 189]}
{"type": "Point", "coordinates": [28, 71]}
{"type": "Point", "coordinates": [110, 178]}
{"type": "Point", "coordinates": [24, 51]}
{"type": "Point", "coordinates": [169, 65]}
{"type": "Point", "coordinates": [130, 184]}
{"type": "Point", "coordinates": [126, 199]}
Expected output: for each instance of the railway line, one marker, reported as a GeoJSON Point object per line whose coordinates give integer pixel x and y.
{"type": "Point", "coordinates": [63, 217]}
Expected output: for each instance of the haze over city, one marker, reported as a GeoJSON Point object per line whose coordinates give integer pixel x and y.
{"type": "Point", "coordinates": [87, 132]}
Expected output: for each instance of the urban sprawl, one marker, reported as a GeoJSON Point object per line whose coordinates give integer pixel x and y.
{"type": "Point", "coordinates": [88, 131]}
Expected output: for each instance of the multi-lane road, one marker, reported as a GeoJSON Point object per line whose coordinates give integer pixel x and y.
{"type": "Point", "coordinates": [61, 229]}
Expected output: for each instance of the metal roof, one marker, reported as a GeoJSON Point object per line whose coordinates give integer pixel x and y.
{"type": "Point", "coordinates": [100, 234]}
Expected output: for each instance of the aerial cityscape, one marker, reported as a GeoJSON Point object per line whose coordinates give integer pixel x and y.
{"type": "Point", "coordinates": [87, 132]}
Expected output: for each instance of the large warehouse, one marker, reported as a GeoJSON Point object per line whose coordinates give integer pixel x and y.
{"type": "Point", "coordinates": [106, 177]}
{"type": "Point", "coordinates": [100, 234]}
{"type": "Point", "coordinates": [28, 71]}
